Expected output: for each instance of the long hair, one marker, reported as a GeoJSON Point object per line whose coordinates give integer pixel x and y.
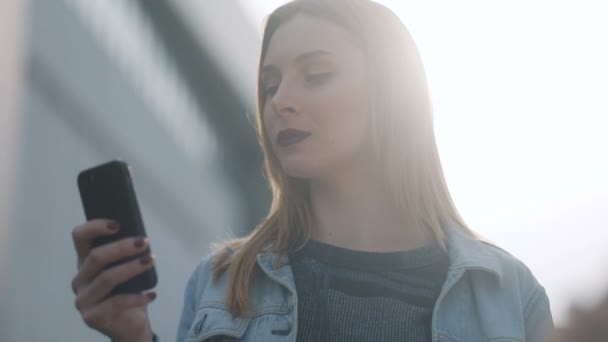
{"type": "Point", "coordinates": [402, 136]}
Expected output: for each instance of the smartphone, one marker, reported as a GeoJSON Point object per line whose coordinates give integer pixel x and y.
{"type": "Point", "coordinates": [107, 192]}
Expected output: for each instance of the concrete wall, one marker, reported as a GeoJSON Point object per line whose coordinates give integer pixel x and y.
{"type": "Point", "coordinates": [11, 44]}
{"type": "Point", "coordinates": [80, 109]}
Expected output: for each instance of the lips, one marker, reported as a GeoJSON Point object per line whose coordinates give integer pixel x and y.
{"type": "Point", "coordinates": [291, 136]}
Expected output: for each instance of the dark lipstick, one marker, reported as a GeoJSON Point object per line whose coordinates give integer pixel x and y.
{"type": "Point", "coordinates": [291, 136]}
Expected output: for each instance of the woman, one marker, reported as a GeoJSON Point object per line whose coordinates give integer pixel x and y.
{"type": "Point", "coordinates": [362, 241]}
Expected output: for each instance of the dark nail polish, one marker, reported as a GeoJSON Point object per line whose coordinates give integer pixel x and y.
{"type": "Point", "coordinates": [113, 226]}
{"type": "Point", "coordinates": [145, 260]}
{"type": "Point", "coordinates": [139, 242]}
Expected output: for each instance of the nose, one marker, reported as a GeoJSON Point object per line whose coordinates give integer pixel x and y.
{"type": "Point", "coordinates": [283, 101]}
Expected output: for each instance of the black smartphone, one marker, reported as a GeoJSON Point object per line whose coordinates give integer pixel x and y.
{"type": "Point", "coordinates": [107, 192]}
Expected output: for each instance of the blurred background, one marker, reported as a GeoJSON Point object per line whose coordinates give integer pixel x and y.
{"type": "Point", "coordinates": [520, 91]}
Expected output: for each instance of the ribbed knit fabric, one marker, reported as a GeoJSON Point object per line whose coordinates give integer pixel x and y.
{"type": "Point", "coordinates": [350, 295]}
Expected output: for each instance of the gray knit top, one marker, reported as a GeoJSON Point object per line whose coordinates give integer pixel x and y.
{"type": "Point", "coordinates": [351, 295]}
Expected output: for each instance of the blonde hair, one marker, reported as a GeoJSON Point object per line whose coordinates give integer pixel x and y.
{"type": "Point", "coordinates": [402, 136]}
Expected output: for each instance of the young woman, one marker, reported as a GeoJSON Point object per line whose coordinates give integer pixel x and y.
{"type": "Point", "coordinates": [362, 241]}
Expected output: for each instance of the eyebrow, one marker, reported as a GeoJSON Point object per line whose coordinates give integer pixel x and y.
{"type": "Point", "coordinates": [299, 59]}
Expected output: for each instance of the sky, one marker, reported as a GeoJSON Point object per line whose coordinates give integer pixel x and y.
{"type": "Point", "coordinates": [520, 96]}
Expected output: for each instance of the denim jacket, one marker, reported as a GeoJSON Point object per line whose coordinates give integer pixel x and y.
{"type": "Point", "coordinates": [488, 295]}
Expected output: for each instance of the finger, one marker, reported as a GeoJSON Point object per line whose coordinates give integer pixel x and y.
{"type": "Point", "coordinates": [104, 255]}
{"type": "Point", "coordinates": [100, 316]}
{"type": "Point", "coordinates": [101, 286]}
{"type": "Point", "coordinates": [83, 235]}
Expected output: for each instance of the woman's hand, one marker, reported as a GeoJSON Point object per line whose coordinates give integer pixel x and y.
{"type": "Point", "coordinates": [584, 325]}
{"type": "Point", "coordinates": [122, 317]}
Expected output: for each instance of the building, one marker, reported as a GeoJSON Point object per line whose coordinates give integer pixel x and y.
{"type": "Point", "coordinates": [143, 82]}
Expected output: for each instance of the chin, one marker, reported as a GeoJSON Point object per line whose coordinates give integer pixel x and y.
{"type": "Point", "coordinates": [299, 167]}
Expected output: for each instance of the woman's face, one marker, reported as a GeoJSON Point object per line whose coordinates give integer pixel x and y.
{"type": "Point", "coordinates": [316, 111]}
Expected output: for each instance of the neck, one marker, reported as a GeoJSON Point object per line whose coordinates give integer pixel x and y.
{"type": "Point", "coordinates": [353, 211]}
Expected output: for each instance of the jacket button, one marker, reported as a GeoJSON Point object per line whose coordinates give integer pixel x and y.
{"type": "Point", "coordinates": [199, 326]}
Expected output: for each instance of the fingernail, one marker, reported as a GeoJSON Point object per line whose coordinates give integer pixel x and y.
{"type": "Point", "coordinates": [139, 242]}
{"type": "Point", "coordinates": [113, 226]}
{"type": "Point", "coordinates": [145, 259]}
{"type": "Point", "coordinates": [151, 295]}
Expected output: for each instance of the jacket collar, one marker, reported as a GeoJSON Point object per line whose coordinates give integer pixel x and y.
{"type": "Point", "coordinates": [464, 252]}
{"type": "Point", "coordinates": [469, 253]}
{"type": "Point", "coordinates": [283, 274]}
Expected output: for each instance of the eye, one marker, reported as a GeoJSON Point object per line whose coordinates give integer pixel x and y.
{"type": "Point", "coordinates": [270, 90]}
{"type": "Point", "coordinates": [319, 77]}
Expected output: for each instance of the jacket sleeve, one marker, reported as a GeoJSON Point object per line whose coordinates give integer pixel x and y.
{"type": "Point", "coordinates": [537, 314]}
